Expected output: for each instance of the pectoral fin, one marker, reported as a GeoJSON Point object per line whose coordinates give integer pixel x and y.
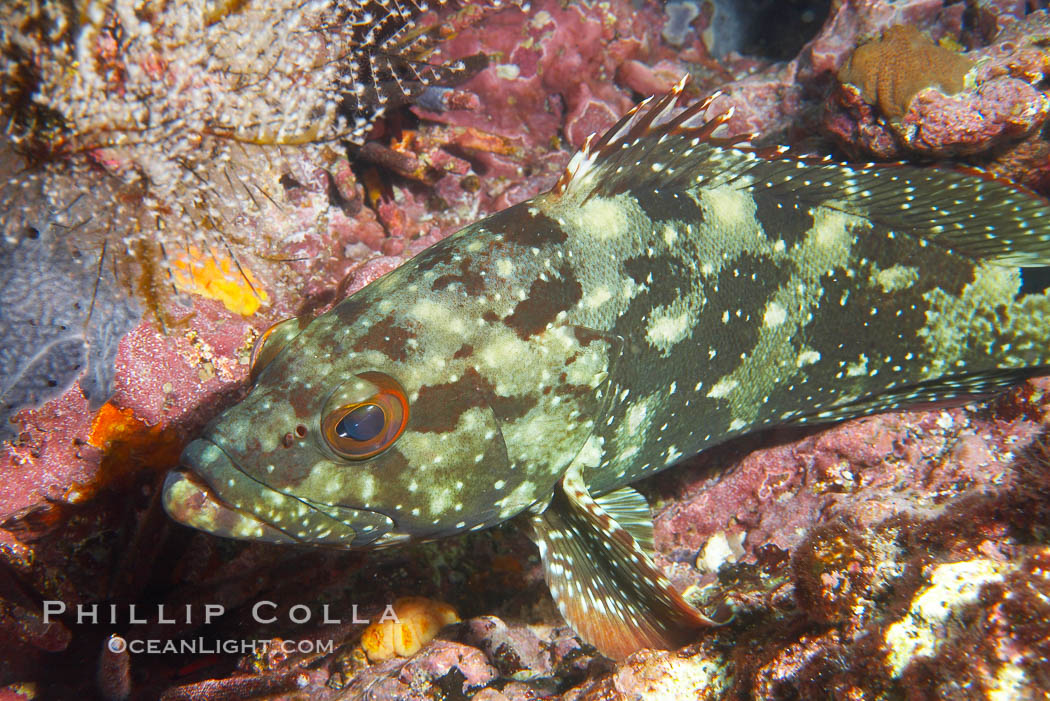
{"type": "Point", "coordinates": [630, 509]}
{"type": "Point", "coordinates": [606, 587]}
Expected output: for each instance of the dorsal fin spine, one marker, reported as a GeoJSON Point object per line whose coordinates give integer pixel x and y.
{"type": "Point", "coordinates": [973, 214]}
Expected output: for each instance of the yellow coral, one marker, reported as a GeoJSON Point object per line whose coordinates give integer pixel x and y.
{"type": "Point", "coordinates": [215, 276]}
{"type": "Point", "coordinates": [418, 621]}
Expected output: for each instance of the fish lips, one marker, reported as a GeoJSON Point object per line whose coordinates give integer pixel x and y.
{"type": "Point", "coordinates": [210, 493]}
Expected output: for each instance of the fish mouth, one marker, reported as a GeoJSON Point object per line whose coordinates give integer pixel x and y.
{"type": "Point", "coordinates": [190, 501]}
{"type": "Point", "coordinates": [210, 493]}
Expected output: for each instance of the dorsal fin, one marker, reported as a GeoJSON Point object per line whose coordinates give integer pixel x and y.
{"type": "Point", "coordinates": [969, 211]}
{"type": "Point", "coordinates": [606, 587]}
{"type": "Point", "coordinates": [650, 148]}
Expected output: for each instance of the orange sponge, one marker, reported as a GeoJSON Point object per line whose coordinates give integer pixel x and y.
{"type": "Point", "coordinates": [216, 276]}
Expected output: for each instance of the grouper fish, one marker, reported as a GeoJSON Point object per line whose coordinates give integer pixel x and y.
{"type": "Point", "coordinates": [673, 290]}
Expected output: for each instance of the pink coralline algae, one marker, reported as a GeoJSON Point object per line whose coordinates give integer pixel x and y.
{"type": "Point", "coordinates": [901, 555]}
{"type": "Point", "coordinates": [555, 68]}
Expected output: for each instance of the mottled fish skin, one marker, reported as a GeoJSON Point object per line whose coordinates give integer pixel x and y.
{"type": "Point", "coordinates": [671, 292]}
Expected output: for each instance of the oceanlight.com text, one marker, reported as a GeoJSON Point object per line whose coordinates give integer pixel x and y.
{"type": "Point", "coordinates": [201, 646]}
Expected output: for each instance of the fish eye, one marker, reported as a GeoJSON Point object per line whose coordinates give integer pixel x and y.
{"type": "Point", "coordinates": [271, 342]}
{"type": "Point", "coordinates": [363, 429]}
{"type": "Point", "coordinates": [362, 424]}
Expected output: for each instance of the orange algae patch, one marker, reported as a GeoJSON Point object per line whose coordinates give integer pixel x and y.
{"type": "Point", "coordinates": [128, 444]}
{"type": "Point", "coordinates": [471, 138]}
{"type": "Point", "coordinates": [418, 622]}
{"type": "Point", "coordinates": [216, 276]}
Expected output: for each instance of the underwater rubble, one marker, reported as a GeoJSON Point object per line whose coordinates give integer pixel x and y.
{"type": "Point", "coordinates": [902, 555]}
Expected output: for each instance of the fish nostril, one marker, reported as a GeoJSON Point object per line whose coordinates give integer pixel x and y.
{"type": "Point", "coordinates": [288, 440]}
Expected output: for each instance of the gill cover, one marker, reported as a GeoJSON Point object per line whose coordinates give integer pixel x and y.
{"type": "Point", "coordinates": [272, 341]}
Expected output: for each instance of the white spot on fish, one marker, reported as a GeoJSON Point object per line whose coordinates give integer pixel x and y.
{"type": "Point", "coordinates": [730, 209]}
{"type": "Point", "coordinates": [670, 234]}
{"type": "Point", "coordinates": [428, 312]}
{"type": "Point", "coordinates": [635, 417]}
{"type": "Point", "coordinates": [604, 218]}
{"type": "Point", "coordinates": [599, 296]}
{"type": "Point", "coordinates": [667, 328]}
{"type": "Point", "coordinates": [775, 314]}
{"type": "Point", "coordinates": [504, 267]}
{"type": "Point", "coordinates": [858, 368]}
{"type": "Point", "coordinates": [722, 388]}
{"type": "Point", "coordinates": [898, 277]}
{"type": "Point", "coordinates": [672, 454]}
{"type": "Point", "coordinates": [808, 357]}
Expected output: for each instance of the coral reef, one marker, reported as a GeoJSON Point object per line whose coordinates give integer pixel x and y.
{"type": "Point", "coordinates": [901, 555]}
{"type": "Point", "coordinates": [187, 107]}
{"type": "Point", "coordinates": [188, 120]}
